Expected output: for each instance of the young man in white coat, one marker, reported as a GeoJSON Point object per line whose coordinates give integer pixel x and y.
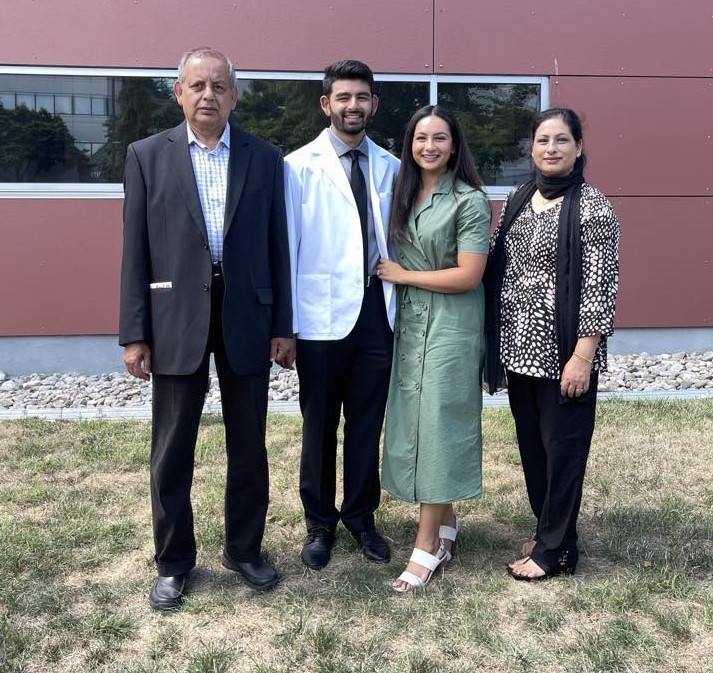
{"type": "Point", "coordinates": [338, 191]}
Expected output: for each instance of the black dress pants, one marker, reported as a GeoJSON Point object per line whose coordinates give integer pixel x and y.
{"type": "Point", "coordinates": [177, 407]}
{"type": "Point", "coordinates": [554, 440]}
{"type": "Point", "coordinates": [349, 375]}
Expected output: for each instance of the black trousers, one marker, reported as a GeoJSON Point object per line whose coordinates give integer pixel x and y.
{"type": "Point", "coordinates": [177, 407]}
{"type": "Point", "coordinates": [349, 375]}
{"type": "Point", "coordinates": [554, 441]}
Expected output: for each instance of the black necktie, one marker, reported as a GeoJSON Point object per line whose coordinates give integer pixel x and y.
{"type": "Point", "coordinates": [358, 185]}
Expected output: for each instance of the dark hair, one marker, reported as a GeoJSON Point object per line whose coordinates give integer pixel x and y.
{"type": "Point", "coordinates": [569, 117]}
{"type": "Point", "coordinates": [461, 163]}
{"type": "Point", "coordinates": [348, 69]}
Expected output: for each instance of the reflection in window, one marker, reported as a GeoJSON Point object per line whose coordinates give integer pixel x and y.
{"type": "Point", "coordinates": [98, 106]}
{"type": "Point", "coordinates": [76, 128]}
{"type": "Point", "coordinates": [82, 105]}
{"type": "Point", "coordinates": [397, 103]}
{"type": "Point", "coordinates": [496, 121]}
{"type": "Point", "coordinates": [44, 102]}
{"type": "Point", "coordinates": [288, 114]}
{"type": "Point", "coordinates": [28, 100]}
{"type": "Point", "coordinates": [285, 112]}
{"type": "Point", "coordinates": [63, 105]}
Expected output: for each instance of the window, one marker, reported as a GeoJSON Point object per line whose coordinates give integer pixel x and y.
{"type": "Point", "coordinates": [75, 128]}
{"type": "Point", "coordinates": [25, 100]}
{"type": "Point", "coordinates": [65, 131]}
{"type": "Point", "coordinates": [44, 102]}
{"type": "Point", "coordinates": [496, 121]}
{"type": "Point", "coordinates": [63, 104]}
{"type": "Point", "coordinates": [287, 112]}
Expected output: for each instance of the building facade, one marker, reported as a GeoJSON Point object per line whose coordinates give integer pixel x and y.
{"type": "Point", "coordinates": [80, 79]}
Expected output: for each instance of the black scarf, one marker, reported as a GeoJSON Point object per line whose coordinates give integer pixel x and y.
{"type": "Point", "coordinates": [568, 280]}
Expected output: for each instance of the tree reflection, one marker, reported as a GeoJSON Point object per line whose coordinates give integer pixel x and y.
{"type": "Point", "coordinates": [39, 146]}
{"type": "Point", "coordinates": [143, 107]}
{"type": "Point", "coordinates": [496, 120]}
{"type": "Point", "coordinates": [397, 103]}
{"type": "Point", "coordinates": [288, 114]}
{"type": "Point", "coordinates": [36, 145]}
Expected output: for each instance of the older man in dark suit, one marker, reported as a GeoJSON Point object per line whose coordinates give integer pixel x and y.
{"type": "Point", "coordinates": [206, 270]}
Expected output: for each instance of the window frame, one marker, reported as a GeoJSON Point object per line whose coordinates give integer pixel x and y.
{"type": "Point", "coordinates": [79, 190]}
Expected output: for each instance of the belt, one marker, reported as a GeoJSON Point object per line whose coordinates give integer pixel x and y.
{"type": "Point", "coordinates": [217, 269]}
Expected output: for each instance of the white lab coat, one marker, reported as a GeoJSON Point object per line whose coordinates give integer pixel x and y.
{"type": "Point", "coordinates": [326, 248]}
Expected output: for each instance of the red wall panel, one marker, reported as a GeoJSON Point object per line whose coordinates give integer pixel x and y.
{"type": "Point", "coordinates": [648, 121]}
{"type": "Point", "coordinates": [666, 256]}
{"type": "Point", "coordinates": [59, 267]}
{"type": "Point", "coordinates": [392, 36]}
{"type": "Point", "coordinates": [567, 37]}
{"type": "Point", "coordinates": [644, 136]}
{"type": "Point", "coordinates": [574, 37]}
{"type": "Point", "coordinates": [666, 262]}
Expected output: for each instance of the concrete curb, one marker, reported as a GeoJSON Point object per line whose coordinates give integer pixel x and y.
{"type": "Point", "coordinates": [144, 413]}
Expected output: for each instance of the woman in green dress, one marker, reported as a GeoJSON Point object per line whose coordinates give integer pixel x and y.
{"type": "Point", "coordinates": [440, 227]}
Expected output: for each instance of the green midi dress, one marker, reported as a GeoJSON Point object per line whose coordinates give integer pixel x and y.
{"type": "Point", "coordinates": [433, 443]}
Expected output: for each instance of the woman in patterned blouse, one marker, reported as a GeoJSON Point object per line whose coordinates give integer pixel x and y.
{"type": "Point", "coordinates": [551, 286]}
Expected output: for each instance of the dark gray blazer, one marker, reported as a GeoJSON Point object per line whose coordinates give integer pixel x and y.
{"type": "Point", "coordinates": [165, 243]}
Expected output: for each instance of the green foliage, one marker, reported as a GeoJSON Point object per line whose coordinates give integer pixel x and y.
{"type": "Point", "coordinates": [35, 146]}
{"type": "Point", "coordinates": [286, 113]}
{"type": "Point", "coordinates": [398, 102]}
{"type": "Point", "coordinates": [38, 146]}
{"type": "Point", "coordinates": [495, 120]}
{"type": "Point", "coordinates": [143, 107]}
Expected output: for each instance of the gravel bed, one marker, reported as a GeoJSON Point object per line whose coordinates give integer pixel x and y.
{"type": "Point", "coordinates": [627, 373]}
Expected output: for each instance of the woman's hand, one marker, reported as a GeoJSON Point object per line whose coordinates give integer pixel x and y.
{"type": "Point", "coordinates": [390, 271]}
{"type": "Point", "coordinates": [575, 377]}
{"type": "Point", "coordinates": [461, 278]}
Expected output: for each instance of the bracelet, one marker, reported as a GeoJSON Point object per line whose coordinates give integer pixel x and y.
{"type": "Point", "coordinates": [591, 362]}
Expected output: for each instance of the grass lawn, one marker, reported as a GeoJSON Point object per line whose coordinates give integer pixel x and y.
{"type": "Point", "coordinates": [76, 562]}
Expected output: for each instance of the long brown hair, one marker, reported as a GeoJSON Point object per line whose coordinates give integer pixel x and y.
{"type": "Point", "coordinates": [461, 162]}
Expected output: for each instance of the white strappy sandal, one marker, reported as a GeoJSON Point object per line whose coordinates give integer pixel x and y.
{"type": "Point", "coordinates": [425, 560]}
{"type": "Point", "coordinates": [448, 533]}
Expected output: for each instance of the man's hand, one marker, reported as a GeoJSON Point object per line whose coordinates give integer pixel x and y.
{"type": "Point", "coordinates": [283, 351]}
{"type": "Point", "coordinates": [137, 358]}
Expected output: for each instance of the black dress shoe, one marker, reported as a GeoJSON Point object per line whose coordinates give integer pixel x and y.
{"type": "Point", "coordinates": [373, 545]}
{"type": "Point", "coordinates": [259, 574]}
{"type": "Point", "coordinates": [317, 549]}
{"type": "Point", "coordinates": [167, 592]}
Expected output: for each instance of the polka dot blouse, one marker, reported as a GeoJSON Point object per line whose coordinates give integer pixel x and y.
{"type": "Point", "coordinates": [528, 340]}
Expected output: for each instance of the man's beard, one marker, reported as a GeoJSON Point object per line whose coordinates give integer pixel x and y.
{"type": "Point", "coordinates": [350, 129]}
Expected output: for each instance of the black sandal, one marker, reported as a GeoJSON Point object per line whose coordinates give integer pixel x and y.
{"type": "Point", "coordinates": [564, 567]}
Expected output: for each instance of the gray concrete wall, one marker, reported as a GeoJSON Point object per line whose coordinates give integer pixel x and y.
{"type": "Point", "coordinates": [101, 354]}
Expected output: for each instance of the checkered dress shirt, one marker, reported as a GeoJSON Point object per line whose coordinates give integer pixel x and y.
{"type": "Point", "coordinates": [210, 167]}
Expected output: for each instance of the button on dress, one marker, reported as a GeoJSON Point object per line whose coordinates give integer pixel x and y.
{"type": "Point", "coordinates": [433, 444]}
